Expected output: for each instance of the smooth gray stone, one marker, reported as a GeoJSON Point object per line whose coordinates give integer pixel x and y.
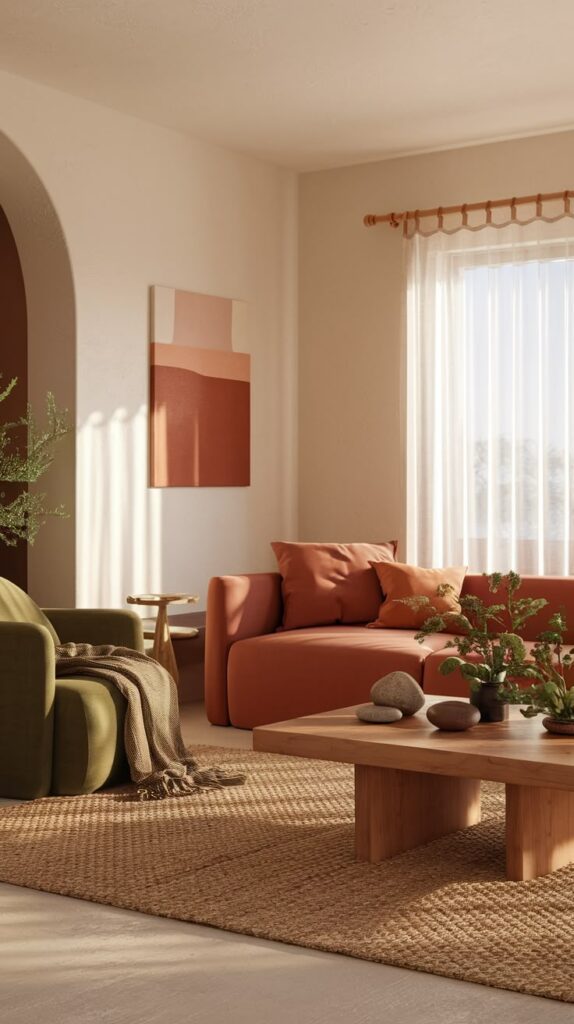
{"type": "Point", "coordinates": [398, 690]}
{"type": "Point", "coordinates": [453, 715]}
{"type": "Point", "coordinates": [374, 713]}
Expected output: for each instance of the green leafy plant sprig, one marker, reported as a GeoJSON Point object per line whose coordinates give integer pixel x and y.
{"type": "Point", "coordinates": [488, 633]}
{"type": "Point", "coordinates": [26, 452]}
{"type": "Point", "coordinates": [553, 667]}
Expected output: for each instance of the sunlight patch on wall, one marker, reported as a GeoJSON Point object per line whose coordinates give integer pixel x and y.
{"type": "Point", "coordinates": [119, 517]}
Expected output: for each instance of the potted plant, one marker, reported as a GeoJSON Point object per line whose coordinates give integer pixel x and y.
{"type": "Point", "coordinates": [26, 452]}
{"type": "Point", "coordinates": [552, 667]}
{"type": "Point", "coordinates": [489, 635]}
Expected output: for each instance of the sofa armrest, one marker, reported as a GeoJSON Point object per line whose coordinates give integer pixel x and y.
{"type": "Point", "coordinates": [237, 607]}
{"type": "Point", "coordinates": [97, 626]}
{"type": "Point", "coordinates": [27, 688]}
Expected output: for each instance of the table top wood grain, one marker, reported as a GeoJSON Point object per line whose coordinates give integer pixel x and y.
{"type": "Point", "coordinates": [518, 751]}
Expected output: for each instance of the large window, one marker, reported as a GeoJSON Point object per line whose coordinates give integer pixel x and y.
{"type": "Point", "coordinates": [490, 441]}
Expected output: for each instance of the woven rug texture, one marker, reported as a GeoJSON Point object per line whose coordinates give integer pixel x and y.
{"type": "Point", "coordinates": [275, 859]}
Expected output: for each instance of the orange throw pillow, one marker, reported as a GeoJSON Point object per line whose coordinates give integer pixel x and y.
{"type": "Point", "coordinates": [324, 584]}
{"type": "Point", "coordinates": [399, 580]}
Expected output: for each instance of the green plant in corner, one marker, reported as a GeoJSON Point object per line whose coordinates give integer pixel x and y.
{"type": "Point", "coordinates": [489, 634]}
{"type": "Point", "coordinates": [26, 452]}
{"type": "Point", "coordinates": [553, 668]}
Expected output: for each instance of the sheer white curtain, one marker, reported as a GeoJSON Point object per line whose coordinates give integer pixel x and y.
{"type": "Point", "coordinates": [490, 386]}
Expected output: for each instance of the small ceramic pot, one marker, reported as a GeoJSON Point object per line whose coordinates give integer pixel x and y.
{"type": "Point", "coordinates": [486, 699]}
{"type": "Point", "coordinates": [563, 728]}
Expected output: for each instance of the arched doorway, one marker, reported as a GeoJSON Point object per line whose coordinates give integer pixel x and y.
{"type": "Point", "coordinates": [36, 231]}
{"type": "Point", "coordinates": [13, 364]}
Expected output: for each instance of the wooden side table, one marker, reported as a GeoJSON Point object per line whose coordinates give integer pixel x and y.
{"type": "Point", "coordinates": [162, 635]}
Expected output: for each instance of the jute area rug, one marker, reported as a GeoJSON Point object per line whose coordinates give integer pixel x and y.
{"type": "Point", "coordinates": [274, 859]}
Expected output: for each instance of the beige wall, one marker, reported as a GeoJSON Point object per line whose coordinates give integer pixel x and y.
{"type": "Point", "coordinates": [142, 205]}
{"type": "Point", "coordinates": [351, 396]}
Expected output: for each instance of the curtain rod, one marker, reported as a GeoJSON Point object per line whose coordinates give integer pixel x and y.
{"type": "Point", "coordinates": [394, 219]}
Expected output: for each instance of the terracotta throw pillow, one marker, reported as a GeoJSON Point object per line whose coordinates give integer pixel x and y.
{"type": "Point", "coordinates": [324, 584]}
{"type": "Point", "coordinates": [399, 580]}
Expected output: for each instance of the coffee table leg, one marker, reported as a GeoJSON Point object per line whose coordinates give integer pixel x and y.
{"type": "Point", "coordinates": [396, 810]}
{"type": "Point", "coordinates": [539, 831]}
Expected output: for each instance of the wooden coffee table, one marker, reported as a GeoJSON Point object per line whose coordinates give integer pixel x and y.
{"type": "Point", "coordinates": [414, 783]}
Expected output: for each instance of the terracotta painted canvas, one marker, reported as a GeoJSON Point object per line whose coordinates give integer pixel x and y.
{"type": "Point", "coordinates": [200, 391]}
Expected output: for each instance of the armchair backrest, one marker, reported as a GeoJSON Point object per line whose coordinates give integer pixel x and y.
{"type": "Point", "coordinates": [17, 606]}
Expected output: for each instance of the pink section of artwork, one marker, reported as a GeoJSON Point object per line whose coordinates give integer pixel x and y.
{"type": "Point", "coordinates": [202, 321]}
{"type": "Point", "coordinates": [208, 361]}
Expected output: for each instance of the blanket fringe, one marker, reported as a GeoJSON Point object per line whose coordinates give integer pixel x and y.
{"type": "Point", "coordinates": [165, 784]}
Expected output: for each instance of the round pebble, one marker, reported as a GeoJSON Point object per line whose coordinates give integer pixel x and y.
{"type": "Point", "coordinates": [453, 715]}
{"type": "Point", "coordinates": [398, 690]}
{"type": "Point", "coordinates": [374, 713]}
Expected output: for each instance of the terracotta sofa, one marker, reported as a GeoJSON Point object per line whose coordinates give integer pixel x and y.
{"type": "Point", "coordinates": [255, 675]}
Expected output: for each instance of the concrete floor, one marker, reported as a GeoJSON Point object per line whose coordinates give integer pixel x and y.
{"type": "Point", "coordinates": [65, 961]}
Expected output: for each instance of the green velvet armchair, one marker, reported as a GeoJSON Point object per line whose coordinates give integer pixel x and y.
{"type": "Point", "coordinates": [61, 736]}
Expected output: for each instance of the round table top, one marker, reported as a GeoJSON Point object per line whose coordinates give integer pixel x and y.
{"type": "Point", "coordinates": [159, 599]}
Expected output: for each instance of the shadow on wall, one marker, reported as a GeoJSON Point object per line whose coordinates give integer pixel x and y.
{"type": "Point", "coordinates": [119, 542]}
{"type": "Point", "coordinates": [51, 315]}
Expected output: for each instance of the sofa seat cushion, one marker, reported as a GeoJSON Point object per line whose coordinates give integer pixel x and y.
{"type": "Point", "coordinates": [454, 685]}
{"type": "Point", "coordinates": [88, 736]}
{"type": "Point", "coordinates": [286, 675]}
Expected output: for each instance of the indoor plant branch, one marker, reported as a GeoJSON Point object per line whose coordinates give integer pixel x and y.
{"type": "Point", "coordinates": [487, 634]}
{"type": "Point", "coordinates": [26, 453]}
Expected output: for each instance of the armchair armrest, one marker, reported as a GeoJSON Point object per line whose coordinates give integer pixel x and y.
{"type": "Point", "coordinates": [97, 626]}
{"type": "Point", "coordinates": [27, 687]}
{"type": "Point", "coordinates": [237, 607]}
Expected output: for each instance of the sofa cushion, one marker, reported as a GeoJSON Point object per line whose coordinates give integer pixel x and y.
{"type": "Point", "coordinates": [324, 584]}
{"type": "Point", "coordinates": [399, 581]}
{"type": "Point", "coordinates": [17, 606]}
{"type": "Point", "coordinates": [454, 685]}
{"type": "Point", "coordinates": [289, 674]}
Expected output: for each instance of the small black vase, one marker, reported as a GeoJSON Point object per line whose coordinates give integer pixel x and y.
{"type": "Point", "coordinates": [491, 707]}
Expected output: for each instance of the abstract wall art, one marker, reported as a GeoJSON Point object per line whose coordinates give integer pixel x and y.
{"type": "Point", "coordinates": [199, 392]}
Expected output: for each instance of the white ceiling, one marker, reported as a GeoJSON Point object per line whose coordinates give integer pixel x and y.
{"type": "Point", "coordinates": [308, 83]}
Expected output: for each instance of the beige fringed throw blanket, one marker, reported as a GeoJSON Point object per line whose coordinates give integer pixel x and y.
{"type": "Point", "coordinates": [158, 760]}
